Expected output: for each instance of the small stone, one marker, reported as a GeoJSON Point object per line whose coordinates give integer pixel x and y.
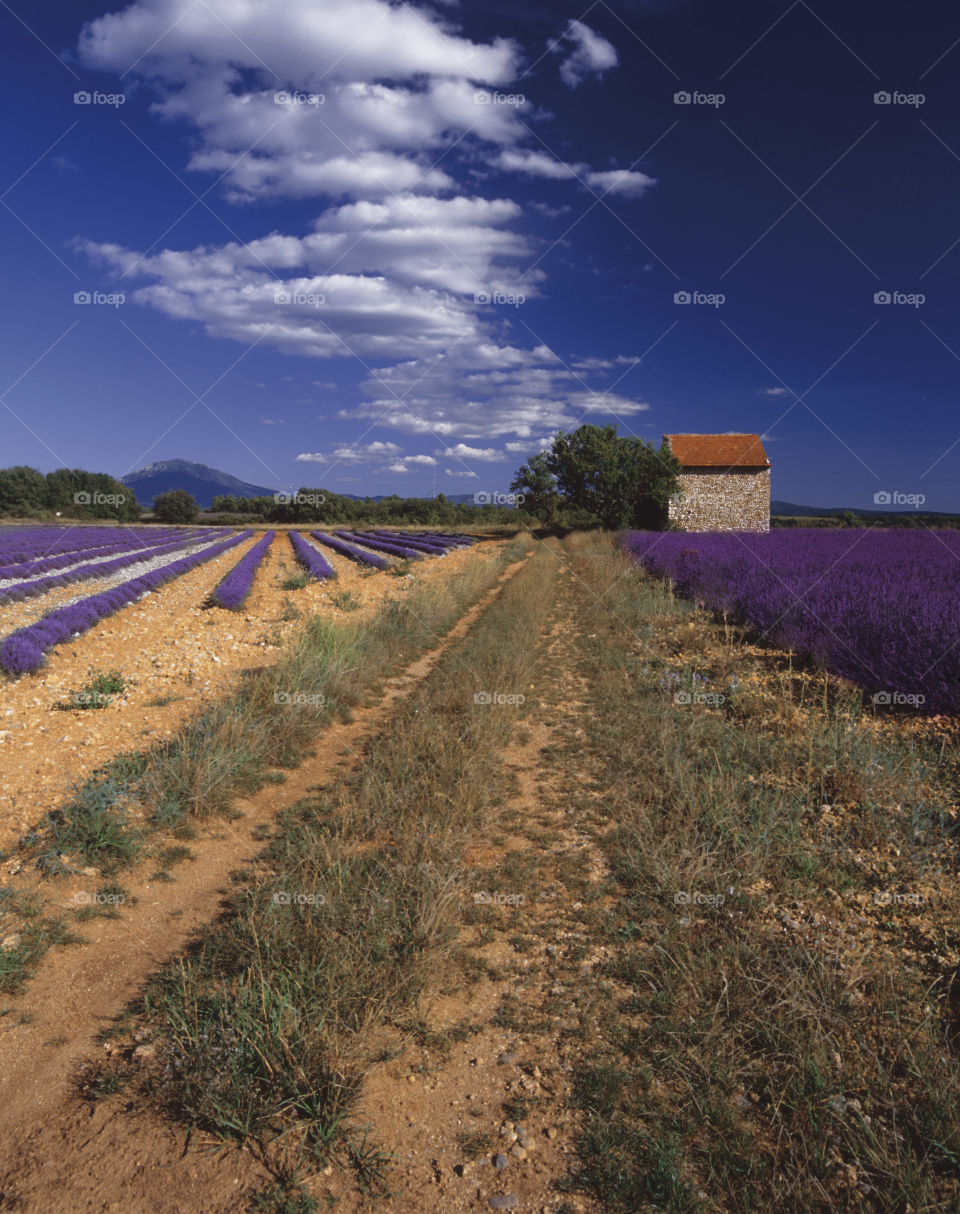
{"type": "Point", "coordinates": [507, 1202]}
{"type": "Point", "coordinates": [838, 1104]}
{"type": "Point", "coordinates": [528, 1144]}
{"type": "Point", "coordinates": [518, 1152]}
{"type": "Point", "coordinates": [507, 1059]}
{"type": "Point", "coordinates": [91, 872]}
{"type": "Point", "coordinates": [552, 1132]}
{"type": "Point", "coordinates": [10, 941]}
{"type": "Point", "coordinates": [144, 1052]}
{"type": "Point", "coordinates": [500, 1161]}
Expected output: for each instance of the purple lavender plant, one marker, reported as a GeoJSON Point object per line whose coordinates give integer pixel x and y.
{"type": "Point", "coordinates": [310, 558]}
{"type": "Point", "coordinates": [23, 650]}
{"type": "Point", "coordinates": [877, 607]}
{"type": "Point", "coordinates": [347, 550]}
{"type": "Point", "coordinates": [233, 589]}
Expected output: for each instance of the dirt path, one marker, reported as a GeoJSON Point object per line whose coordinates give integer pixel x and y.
{"type": "Point", "coordinates": [64, 1155]}
{"type": "Point", "coordinates": [479, 1113]}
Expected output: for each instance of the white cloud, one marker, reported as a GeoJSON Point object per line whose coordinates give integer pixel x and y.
{"type": "Point", "coordinates": [626, 182]}
{"type": "Point", "coordinates": [538, 164]}
{"type": "Point", "coordinates": [531, 447]}
{"type": "Point", "coordinates": [271, 421]}
{"type": "Point", "coordinates": [463, 475]}
{"type": "Point", "coordinates": [592, 55]}
{"type": "Point", "coordinates": [462, 451]}
{"type": "Point", "coordinates": [776, 392]}
{"type": "Point", "coordinates": [408, 462]}
{"type": "Point", "coordinates": [386, 273]}
{"type": "Point", "coordinates": [351, 453]}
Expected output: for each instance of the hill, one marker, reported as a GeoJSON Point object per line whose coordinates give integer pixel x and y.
{"type": "Point", "coordinates": [203, 482]}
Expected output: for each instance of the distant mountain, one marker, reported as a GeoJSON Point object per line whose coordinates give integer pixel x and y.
{"type": "Point", "coordinates": [791, 508]}
{"type": "Point", "coordinates": [203, 482]}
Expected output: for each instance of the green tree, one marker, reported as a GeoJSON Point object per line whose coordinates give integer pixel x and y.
{"type": "Point", "coordinates": [22, 490]}
{"type": "Point", "coordinates": [623, 482]}
{"type": "Point", "coordinates": [177, 506]}
{"type": "Point", "coordinates": [538, 485]}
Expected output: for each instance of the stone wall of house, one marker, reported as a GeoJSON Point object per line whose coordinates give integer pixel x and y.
{"type": "Point", "coordinates": [738, 500]}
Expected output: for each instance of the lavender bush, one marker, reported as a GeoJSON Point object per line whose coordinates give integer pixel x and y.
{"type": "Point", "coordinates": [405, 540]}
{"type": "Point", "coordinates": [347, 550]}
{"type": "Point", "coordinates": [310, 558]}
{"type": "Point", "coordinates": [98, 569]}
{"type": "Point", "coordinates": [392, 549]}
{"type": "Point", "coordinates": [23, 650]}
{"type": "Point", "coordinates": [876, 607]}
{"type": "Point", "coordinates": [231, 591]}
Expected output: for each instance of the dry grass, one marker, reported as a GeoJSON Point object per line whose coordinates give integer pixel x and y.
{"type": "Point", "coordinates": [777, 1041]}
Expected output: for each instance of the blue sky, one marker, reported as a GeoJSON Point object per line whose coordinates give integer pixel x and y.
{"type": "Point", "coordinates": [368, 246]}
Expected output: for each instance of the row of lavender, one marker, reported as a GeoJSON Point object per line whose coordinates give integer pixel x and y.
{"type": "Point", "coordinates": [87, 571]}
{"type": "Point", "coordinates": [23, 650]}
{"type": "Point", "coordinates": [43, 555]}
{"type": "Point", "coordinates": [25, 543]}
{"type": "Point", "coordinates": [877, 607]}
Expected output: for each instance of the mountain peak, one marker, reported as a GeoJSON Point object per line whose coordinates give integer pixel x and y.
{"type": "Point", "coordinates": [165, 475]}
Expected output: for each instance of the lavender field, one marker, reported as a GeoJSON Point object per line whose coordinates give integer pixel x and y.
{"type": "Point", "coordinates": [881, 608]}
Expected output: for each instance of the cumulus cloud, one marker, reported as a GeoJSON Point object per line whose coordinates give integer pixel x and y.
{"type": "Point", "coordinates": [462, 451]}
{"type": "Point", "coordinates": [351, 453]}
{"type": "Point", "coordinates": [592, 55]}
{"type": "Point", "coordinates": [379, 127]}
{"type": "Point", "coordinates": [531, 447]}
{"type": "Point", "coordinates": [465, 475]}
{"type": "Point", "coordinates": [407, 462]}
{"type": "Point", "coordinates": [626, 182]}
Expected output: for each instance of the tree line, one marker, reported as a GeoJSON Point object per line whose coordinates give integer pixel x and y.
{"type": "Point", "coordinates": [70, 492]}
{"type": "Point", "coordinates": [591, 477]}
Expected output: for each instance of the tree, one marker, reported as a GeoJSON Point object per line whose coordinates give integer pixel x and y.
{"type": "Point", "coordinates": [22, 490]}
{"type": "Point", "coordinates": [623, 482]}
{"type": "Point", "coordinates": [177, 506]}
{"type": "Point", "coordinates": [538, 485]}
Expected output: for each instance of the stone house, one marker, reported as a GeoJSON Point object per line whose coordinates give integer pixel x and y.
{"type": "Point", "coordinates": [725, 483]}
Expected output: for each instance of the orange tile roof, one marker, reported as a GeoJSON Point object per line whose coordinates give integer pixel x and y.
{"type": "Point", "coordinates": [718, 450]}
